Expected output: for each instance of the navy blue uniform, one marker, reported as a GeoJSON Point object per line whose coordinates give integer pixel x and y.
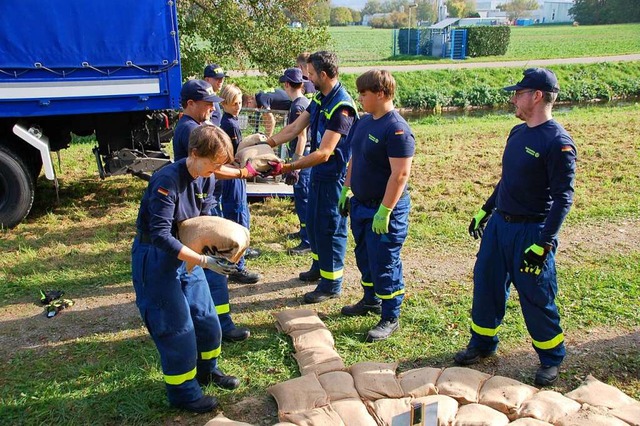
{"type": "Point", "coordinates": [176, 308]}
{"type": "Point", "coordinates": [276, 99]}
{"type": "Point", "coordinates": [309, 88]}
{"type": "Point", "coordinates": [216, 114]}
{"type": "Point", "coordinates": [181, 134]}
{"type": "Point", "coordinates": [531, 201]}
{"type": "Point", "coordinates": [300, 188]}
{"type": "Point", "coordinates": [373, 142]}
{"type": "Point", "coordinates": [326, 228]}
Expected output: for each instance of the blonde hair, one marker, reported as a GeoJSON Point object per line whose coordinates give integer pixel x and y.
{"type": "Point", "coordinates": [230, 93]}
{"type": "Point", "coordinates": [211, 141]}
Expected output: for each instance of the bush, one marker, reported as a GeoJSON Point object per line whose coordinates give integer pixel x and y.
{"type": "Point", "coordinates": [487, 41]}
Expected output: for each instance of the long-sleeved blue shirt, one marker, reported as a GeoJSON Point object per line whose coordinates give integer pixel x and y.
{"type": "Point", "coordinates": [181, 134]}
{"type": "Point", "coordinates": [538, 176]}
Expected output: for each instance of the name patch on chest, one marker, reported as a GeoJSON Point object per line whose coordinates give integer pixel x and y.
{"type": "Point", "coordinates": [531, 152]}
{"type": "Point", "coordinates": [373, 138]}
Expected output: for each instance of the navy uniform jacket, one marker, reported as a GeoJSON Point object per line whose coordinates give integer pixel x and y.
{"type": "Point", "coordinates": [181, 134]}
{"type": "Point", "coordinates": [276, 99]}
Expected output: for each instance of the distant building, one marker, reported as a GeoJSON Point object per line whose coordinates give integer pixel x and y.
{"type": "Point", "coordinates": [366, 19]}
{"type": "Point", "coordinates": [556, 11]}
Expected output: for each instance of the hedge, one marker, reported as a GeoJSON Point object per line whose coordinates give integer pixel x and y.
{"type": "Point", "coordinates": [487, 40]}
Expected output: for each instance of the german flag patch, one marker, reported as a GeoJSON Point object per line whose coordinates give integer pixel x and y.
{"type": "Point", "coordinates": [566, 148]}
{"type": "Point", "coordinates": [345, 112]}
{"type": "Point", "coordinates": [163, 191]}
{"type": "Point", "coordinates": [399, 132]}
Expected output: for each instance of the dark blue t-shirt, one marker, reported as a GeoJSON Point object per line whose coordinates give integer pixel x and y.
{"type": "Point", "coordinates": [172, 196]}
{"type": "Point", "coordinates": [373, 142]}
{"type": "Point", "coordinates": [231, 127]}
{"type": "Point", "coordinates": [276, 99]}
{"type": "Point", "coordinates": [216, 114]}
{"type": "Point", "coordinates": [181, 134]}
{"type": "Point", "coordinates": [538, 173]}
{"type": "Point", "coordinates": [298, 106]}
{"type": "Point", "coordinates": [309, 88]}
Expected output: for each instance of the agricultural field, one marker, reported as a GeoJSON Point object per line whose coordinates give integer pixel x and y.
{"type": "Point", "coordinates": [367, 46]}
{"type": "Point", "coordinates": [95, 363]}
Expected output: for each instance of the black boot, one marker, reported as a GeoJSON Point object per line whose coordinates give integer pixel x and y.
{"type": "Point", "coordinates": [236, 334]}
{"type": "Point", "coordinates": [221, 380]}
{"type": "Point", "coordinates": [316, 296]}
{"type": "Point", "coordinates": [203, 405]}
{"type": "Point", "coordinates": [310, 275]}
{"type": "Point", "coordinates": [244, 277]}
{"type": "Point", "coordinates": [383, 330]}
{"type": "Point", "coordinates": [362, 308]}
{"type": "Point", "coordinates": [470, 356]}
{"type": "Point", "coordinates": [546, 375]}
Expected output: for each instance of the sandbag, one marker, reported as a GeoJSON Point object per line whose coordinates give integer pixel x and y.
{"type": "Point", "coordinates": [338, 385]}
{"type": "Point", "coordinates": [461, 383]}
{"type": "Point", "coordinates": [299, 394]}
{"type": "Point", "coordinates": [353, 412]}
{"type": "Point", "coordinates": [598, 394]}
{"type": "Point", "coordinates": [251, 140]}
{"type": "Point", "coordinates": [587, 417]}
{"type": "Point", "coordinates": [447, 407]}
{"type": "Point", "coordinates": [318, 361]}
{"type": "Point", "coordinates": [629, 413]}
{"type": "Point", "coordinates": [260, 155]}
{"type": "Point", "coordinates": [505, 394]}
{"type": "Point", "coordinates": [375, 380]}
{"type": "Point", "coordinates": [420, 381]}
{"type": "Point", "coordinates": [385, 409]}
{"type": "Point", "coordinates": [291, 320]}
{"type": "Point", "coordinates": [548, 406]}
{"type": "Point", "coordinates": [325, 416]}
{"type": "Point", "coordinates": [528, 421]}
{"type": "Point", "coordinates": [308, 339]}
{"type": "Point", "coordinates": [221, 420]}
{"type": "Point", "coordinates": [220, 236]}
{"type": "Point", "coordinates": [479, 415]}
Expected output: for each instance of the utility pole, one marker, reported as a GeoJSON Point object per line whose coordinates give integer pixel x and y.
{"type": "Point", "coordinates": [411, 6]}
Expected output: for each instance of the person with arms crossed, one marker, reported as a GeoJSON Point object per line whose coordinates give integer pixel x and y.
{"type": "Point", "coordinates": [523, 216]}
{"type": "Point", "coordinates": [329, 116]}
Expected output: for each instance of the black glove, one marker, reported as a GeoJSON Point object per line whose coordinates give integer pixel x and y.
{"type": "Point", "coordinates": [292, 177]}
{"type": "Point", "coordinates": [476, 227]}
{"type": "Point", "coordinates": [49, 296]}
{"type": "Point", "coordinates": [345, 207]}
{"type": "Point", "coordinates": [533, 259]}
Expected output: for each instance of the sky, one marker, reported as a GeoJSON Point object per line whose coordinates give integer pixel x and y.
{"type": "Point", "coordinates": [353, 4]}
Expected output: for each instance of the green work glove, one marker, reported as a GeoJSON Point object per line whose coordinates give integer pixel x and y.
{"type": "Point", "coordinates": [476, 227]}
{"type": "Point", "coordinates": [344, 201]}
{"type": "Point", "coordinates": [533, 260]}
{"type": "Point", "coordinates": [381, 220]}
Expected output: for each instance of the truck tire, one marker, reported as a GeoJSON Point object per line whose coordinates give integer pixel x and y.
{"type": "Point", "coordinates": [16, 189]}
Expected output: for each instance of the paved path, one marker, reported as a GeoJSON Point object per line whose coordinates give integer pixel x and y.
{"type": "Point", "coordinates": [462, 64]}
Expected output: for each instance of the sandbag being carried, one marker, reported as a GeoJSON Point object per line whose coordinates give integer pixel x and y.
{"type": "Point", "coordinates": [251, 140]}
{"type": "Point", "coordinates": [256, 149]}
{"type": "Point", "coordinates": [215, 236]}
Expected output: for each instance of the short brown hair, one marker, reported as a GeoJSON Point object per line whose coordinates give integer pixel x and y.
{"type": "Point", "coordinates": [377, 81]}
{"type": "Point", "coordinates": [302, 58]}
{"type": "Point", "coordinates": [213, 142]}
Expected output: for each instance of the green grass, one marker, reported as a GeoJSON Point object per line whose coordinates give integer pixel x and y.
{"type": "Point", "coordinates": [109, 374]}
{"type": "Point", "coordinates": [367, 46]}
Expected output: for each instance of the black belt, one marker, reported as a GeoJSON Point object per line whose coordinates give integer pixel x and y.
{"type": "Point", "coordinates": [377, 201]}
{"type": "Point", "coordinates": [512, 218]}
{"type": "Point", "coordinates": [143, 237]}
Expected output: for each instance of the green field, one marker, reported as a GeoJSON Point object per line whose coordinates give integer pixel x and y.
{"type": "Point", "coordinates": [367, 46]}
{"type": "Point", "coordinates": [95, 363]}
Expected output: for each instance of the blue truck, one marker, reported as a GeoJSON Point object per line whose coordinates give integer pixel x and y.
{"type": "Point", "coordinates": [109, 69]}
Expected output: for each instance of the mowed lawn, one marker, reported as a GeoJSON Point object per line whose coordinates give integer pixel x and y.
{"type": "Point", "coordinates": [365, 45]}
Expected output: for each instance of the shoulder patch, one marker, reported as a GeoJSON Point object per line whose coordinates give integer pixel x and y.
{"type": "Point", "coordinates": [566, 148]}
{"type": "Point", "coordinates": [163, 191]}
{"type": "Point", "coordinates": [345, 112]}
{"type": "Point", "coordinates": [399, 132]}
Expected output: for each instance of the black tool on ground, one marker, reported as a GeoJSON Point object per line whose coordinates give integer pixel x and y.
{"type": "Point", "coordinates": [49, 296]}
{"type": "Point", "coordinates": [56, 306]}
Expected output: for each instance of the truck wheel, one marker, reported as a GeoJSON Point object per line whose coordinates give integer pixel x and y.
{"type": "Point", "coordinates": [16, 189]}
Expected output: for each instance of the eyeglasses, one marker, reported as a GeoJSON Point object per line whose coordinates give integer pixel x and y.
{"type": "Point", "coordinates": [518, 94]}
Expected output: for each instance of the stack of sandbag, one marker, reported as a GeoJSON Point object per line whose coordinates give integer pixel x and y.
{"type": "Point", "coordinates": [214, 236]}
{"type": "Point", "coordinates": [255, 148]}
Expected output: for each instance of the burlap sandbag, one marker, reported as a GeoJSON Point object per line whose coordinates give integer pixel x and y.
{"type": "Point", "coordinates": [299, 394]}
{"type": "Point", "coordinates": [385, 409]}
{"type": "Point", "coordinates": [318, 360]}
{"type": "Point", "coordinates": [338, 385]}
{"type": "Point", "coordinates": [447, 407]}
{"type": "Point", "coordinates": [291, 320]}
{"type": "Point", "coordinates": [325, 416]}
{"type": "Point", "coordinates": [586, 417]}
{"type": "Point", "coordinates": [420, 381]}
{"type": "Point", "coordinates": [479, 415]}
{"type": "Point", "coordinates": [260, 155]}
{"type": "Point", "coordinates": [461, 383]}
{"type": "Point", "coordinates": [548, 406]}
{"type": "Point", "coordinates": [353, 412]}
{"type": "Point", "coordinates": [284, 424]}
{"type": "Point", "coordinates": [528, 421]}
{"type": "Point", "coordinates": [221, 420]}
{"type": "Point", "coordinates": [629, 413]}
{"type": "Point", "coordinates": [251, 140]}
{"type": "Point", "coordinates": [308, 339]}
{"type": "Point", "coordinates": [375, 380]}
{"type": "Point", "coordinates": [505, 394]}
{"type": "Point", "coordinates": [221, 236]}
{"type": "Point", "coordinates": [598, 394]}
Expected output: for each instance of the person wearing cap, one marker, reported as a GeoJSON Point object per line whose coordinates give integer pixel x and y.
{"type": "Point", "coordinates": [307, 85]}
{"type": "Point", "coordinates": [519, 226]}
{"type": "Point", "coordinates": [197, 98]}
{"type": "Point", "coordinates": [267, 100]}
{"type": "Point", "coordinates": [176, 306]}
{"type": "Point", "coordinates": [329, 116]}
{"type": "Point", "coordinates": [292, 81]}
{"type": "Point", "coordinates": [214, 75]}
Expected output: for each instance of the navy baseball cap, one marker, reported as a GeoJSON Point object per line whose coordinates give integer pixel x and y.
{"type": "Point", "coordinates": [291, 75]}
{"type": "Point", "coordinates": [214, 71]}
{"type": "Point", "coordinates": [198, 90]}
{"type": "Point", "coordinates": [537, 79]}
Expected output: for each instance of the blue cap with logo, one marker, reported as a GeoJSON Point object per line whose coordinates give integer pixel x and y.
{"type": "Point", "coordinates": [291, 75]}
{"type": "Point", "coordinates": [198, 90]}
{"type": "Point", "coordinates": [537, 79]}
{"type": "Point", "coordinates": [214, 71]}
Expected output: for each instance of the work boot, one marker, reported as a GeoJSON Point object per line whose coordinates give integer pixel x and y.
{"type": "Point", "coordinates": [310, 275]}
{"type": "Point", "coordinates": [300, 249]}
{"type": "Point", "coordinates": [251, 253]}
{"type": "Point", "coordinates": [361, 308]}
{"type": "Point", "coordinates": [203, 405]}
{"type": "Point", "coordinates": [382, 330]}
{"type": "Point", "coordinates": [293, 235]}
{"type": "Point", "coordinates": [236, 334]}
{"type": "Point", "coordinates": [245, 277]}
{"type": "Point", "coordinates": [316, 296]}
{"type": "Point", "coordinates": [221, 380]}
{"type": "Point", "coordinates": [471, 355]}
{"type": "Point", "coordinates": [546, 375]}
